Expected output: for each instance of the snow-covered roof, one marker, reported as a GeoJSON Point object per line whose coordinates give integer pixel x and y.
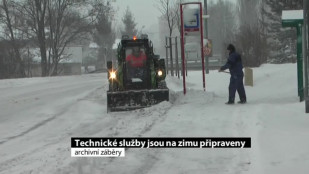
{"type": "Point", "coordinates": [292, 14]}
{"type": "Point", "coordinates": [115, 45]}
{"type": "Point", "coordinates": [93, 45]}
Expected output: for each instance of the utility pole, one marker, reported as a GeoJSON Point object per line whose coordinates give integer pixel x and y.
{"type": "Point", "coordinates": [166, 51]}
{"type": "Point", "coordinates": [305, 52]}
{"type": "Point", "coordinates": [206, 36]}
{"type": "Point", "coordinates": [171, 55]}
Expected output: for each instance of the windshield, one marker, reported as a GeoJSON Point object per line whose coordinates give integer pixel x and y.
{"type": "Point", "coordinates": [135, 61]}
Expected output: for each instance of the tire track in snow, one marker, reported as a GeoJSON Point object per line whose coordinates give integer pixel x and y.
{"type": "Point", "coordinates": [217, 161]}
{"type": "Point", "coordinates": [111, 124]}
{"type": "Point", "coordinates": [41, 123]}
{"type": "Point", "coordinates": [152, 155]}
{"type": "Point", "coordinates": [246, 125]}
{"type": "Point", "coordinates": [5, 165]}
{"type": "Point", "coordinates": [126, 126]}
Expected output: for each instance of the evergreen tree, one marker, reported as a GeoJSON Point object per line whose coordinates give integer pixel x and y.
{"type": "Point", "coordinates": [282, 41]}
{"type": "Point", "coordinates": [129, 24]}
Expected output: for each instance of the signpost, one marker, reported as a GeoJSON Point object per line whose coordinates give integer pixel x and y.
{"type": "Point", "coordinates": [191, 21]}
{"type": "Point", "coordinates": [206, 33]}
{"type": "Point", "coordinates": [208, 47]}
{"type": "Point", "coordinates": [191, 24]}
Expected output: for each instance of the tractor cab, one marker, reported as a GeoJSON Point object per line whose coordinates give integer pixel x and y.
{"type": "Point", "coordinates": [139, 80]}
{"type": "Point", "coordinates": [136, 70]}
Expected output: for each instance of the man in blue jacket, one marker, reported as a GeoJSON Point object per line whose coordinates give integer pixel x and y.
{"type": "Point", "coordinates": [234, 64]}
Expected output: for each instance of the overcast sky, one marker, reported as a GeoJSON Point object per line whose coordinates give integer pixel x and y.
{"type": "Point", "coordinates": [145, 11]}
{"type": "Point", "coordinates": [146, 14]}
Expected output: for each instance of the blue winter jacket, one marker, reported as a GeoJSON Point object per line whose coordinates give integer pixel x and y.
{"type": "Point", "coordinates": [234, 64]}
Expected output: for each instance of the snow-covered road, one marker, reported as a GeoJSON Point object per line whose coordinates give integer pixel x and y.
{"type": "Point", "coordinates": [39, 116]}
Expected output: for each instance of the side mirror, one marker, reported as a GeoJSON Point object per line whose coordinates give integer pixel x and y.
{"type": "Point", "coordinates": [109, 64]}
{"type": "Point", "coordinates": [162, 63]}
{"type": "Point", "coordinates": [156, 56]}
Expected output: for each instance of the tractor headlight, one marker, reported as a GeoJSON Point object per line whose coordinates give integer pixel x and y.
{"type": "Point", "coordinates": [112, 75]}
{"type": "Point", "coordinates": [160, 73]}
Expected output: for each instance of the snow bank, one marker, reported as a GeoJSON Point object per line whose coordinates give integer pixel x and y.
{"type": "Point", "coordinates": [37, 125]}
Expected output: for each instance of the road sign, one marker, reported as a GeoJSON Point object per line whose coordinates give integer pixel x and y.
{"type": "Point", "coordinates": [191, 19]}
{"type": "Point", "coordinates": [191, 22]}
{"type": "Point", "coordinates": [207, 47]}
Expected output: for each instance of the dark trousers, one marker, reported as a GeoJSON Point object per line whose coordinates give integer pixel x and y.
{"type": "Point", "coordinates": [236, 83]}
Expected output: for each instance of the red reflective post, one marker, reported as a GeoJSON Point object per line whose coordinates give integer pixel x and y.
{"type": "Point", "coordinates": [182, 44]}
{"type": "Point", "coordinates": [202, 45]}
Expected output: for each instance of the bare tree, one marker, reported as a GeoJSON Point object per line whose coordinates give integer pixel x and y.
{"type": "Point", "coordinates": [56, 24]}
{"type": "Point", "coordinates": [177, 15]}
{"type": "Point", "coordinates": [34, 12]}
{"type": "Point", "coordinates": [7, 17]}
{"type": "Point", "coordinates": [221, 25]}
{"type": "Point", "coordinates": [52, 24]}
{"type": "Point", "coordinates": [66, 26]}
{"type": "Point", "coordinates": [168, 9]}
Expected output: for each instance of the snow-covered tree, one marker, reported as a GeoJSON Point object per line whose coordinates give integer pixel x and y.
{"type": "Point", "coordinates": [104, 35]}
{"type": "Point", "coordinates": [282, 41]}
{"type": "Point", "coordinates": [221, 25]}
{"type": "Point", "coordinates": [129, 24]}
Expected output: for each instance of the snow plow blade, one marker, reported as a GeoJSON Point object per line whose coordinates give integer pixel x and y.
{"type": "Point", "coordinates": [135, 99]}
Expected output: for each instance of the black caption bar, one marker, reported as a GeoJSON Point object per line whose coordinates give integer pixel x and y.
{"type": "Point", "coordinates": [162, 142]}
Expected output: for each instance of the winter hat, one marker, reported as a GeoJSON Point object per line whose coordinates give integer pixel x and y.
{"type": "Point", "coordinates": [231, 48]}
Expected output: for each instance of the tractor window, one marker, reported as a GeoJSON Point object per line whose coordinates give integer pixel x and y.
{"type": "Point", "coordinates": [135, 51]}
{"type": "Point", "coordinates": [136, 62]}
